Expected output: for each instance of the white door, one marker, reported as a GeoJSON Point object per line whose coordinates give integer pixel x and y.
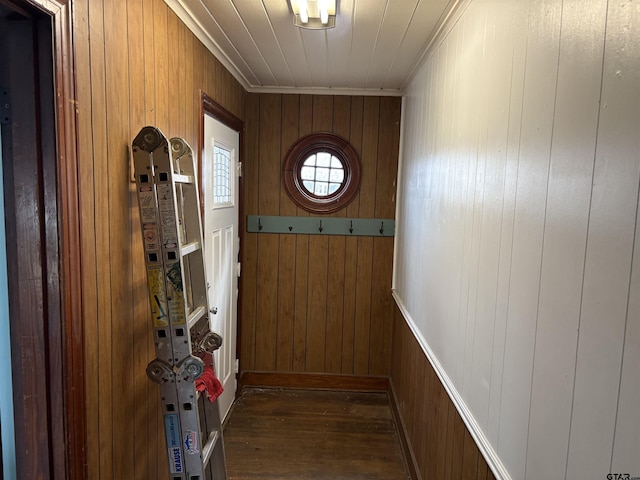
{"type": "Point", "coordinates": [221, 244]}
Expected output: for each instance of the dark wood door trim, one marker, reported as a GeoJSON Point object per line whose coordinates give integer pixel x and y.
{"type": "Point", "coordinates": [70, 267]}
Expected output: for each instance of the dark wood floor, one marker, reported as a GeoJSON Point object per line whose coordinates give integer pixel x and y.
{"type": "Point", "coordinates": [312, 434]}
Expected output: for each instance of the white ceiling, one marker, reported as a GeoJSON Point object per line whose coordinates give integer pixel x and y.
{"type": "Point", "coordinates": [374, 48]}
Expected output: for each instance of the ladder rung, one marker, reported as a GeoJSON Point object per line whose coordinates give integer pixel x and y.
{"type": "Point", "coordinates": [207, 450]}
{"type": "Point", "coordinates": [189, 248]}
{"type": "Point", "coordinates": [179, 178]}
{"type": "Point", "coordinates": [194, 316]}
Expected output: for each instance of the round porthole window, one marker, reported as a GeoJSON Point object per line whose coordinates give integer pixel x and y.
{"type": "Point", "coordinates": [322, 173]}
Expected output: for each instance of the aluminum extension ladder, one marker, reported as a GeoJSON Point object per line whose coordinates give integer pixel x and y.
{"type": "Point", "coordinates": [168, 199]}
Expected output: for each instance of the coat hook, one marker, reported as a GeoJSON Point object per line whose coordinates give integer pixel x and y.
{"type": "Point", "coordinates": [259, 223]}
{"type": "Point", "coordinates": [381, 228]}
{"type": "Point", "coordinates": [351, 226]}
{"type": "Point", "coordinates": [320, 229]}
{"type": "Point", "coordinates": [290, 227]}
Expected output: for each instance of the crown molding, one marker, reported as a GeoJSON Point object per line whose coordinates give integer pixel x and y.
{"type": "Point", "coordinates": [184, 13]}
{"type": "Point", "coordinates": [371, 92]}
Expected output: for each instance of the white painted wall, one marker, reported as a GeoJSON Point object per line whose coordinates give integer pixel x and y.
{"type": "Point", "coordinates": [518, 246]}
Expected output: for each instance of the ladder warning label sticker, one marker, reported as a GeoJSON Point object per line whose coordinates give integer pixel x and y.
{"type": "Point", "coordinates": [176, 294]}
{"type": "Point", "coordinates": [165, 198]}
{"type": "Point", "coordinates": [176, 310]}
{"type": "Point", "coordinates": [169, 231]}
{"type": "Point", "coordinates": [147, 204]}
{"type": "Point", "coordinates": [172, 433]}
{"type": "Point", "coordinates": [155, 281]}
{"type": "Point", "coordinates": [191, 442]}
{"type": "Point", "coordinates": [167, 214]}
{"type": "Point", "coordinates": [150, 239]}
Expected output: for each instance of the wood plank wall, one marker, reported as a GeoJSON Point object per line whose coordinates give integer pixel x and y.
{"type": "Point", "coordinates": [318, 303]}
{"type": "Point", "coordinates": [136, 64]}
{"type": "Point", "coordinates": [442, 446]}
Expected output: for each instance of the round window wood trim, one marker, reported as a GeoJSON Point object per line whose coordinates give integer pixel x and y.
{"type": "Point", "coordinates": [312, 144]}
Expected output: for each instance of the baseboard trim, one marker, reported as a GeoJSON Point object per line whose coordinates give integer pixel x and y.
{"type": "Point", "coordinates": [320, 381]}
{"type": "Point", "coordinates": [403, 434]}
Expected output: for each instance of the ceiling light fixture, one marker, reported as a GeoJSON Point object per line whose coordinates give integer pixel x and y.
{"type": "Point", "coordinates": [314, 14]}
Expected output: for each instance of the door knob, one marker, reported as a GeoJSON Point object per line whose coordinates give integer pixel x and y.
{"type": "Point", "coordinates": [213, 310]}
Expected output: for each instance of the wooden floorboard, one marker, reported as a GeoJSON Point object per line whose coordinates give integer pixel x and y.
{"type": "Point", "coordinates": [312, 434]}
